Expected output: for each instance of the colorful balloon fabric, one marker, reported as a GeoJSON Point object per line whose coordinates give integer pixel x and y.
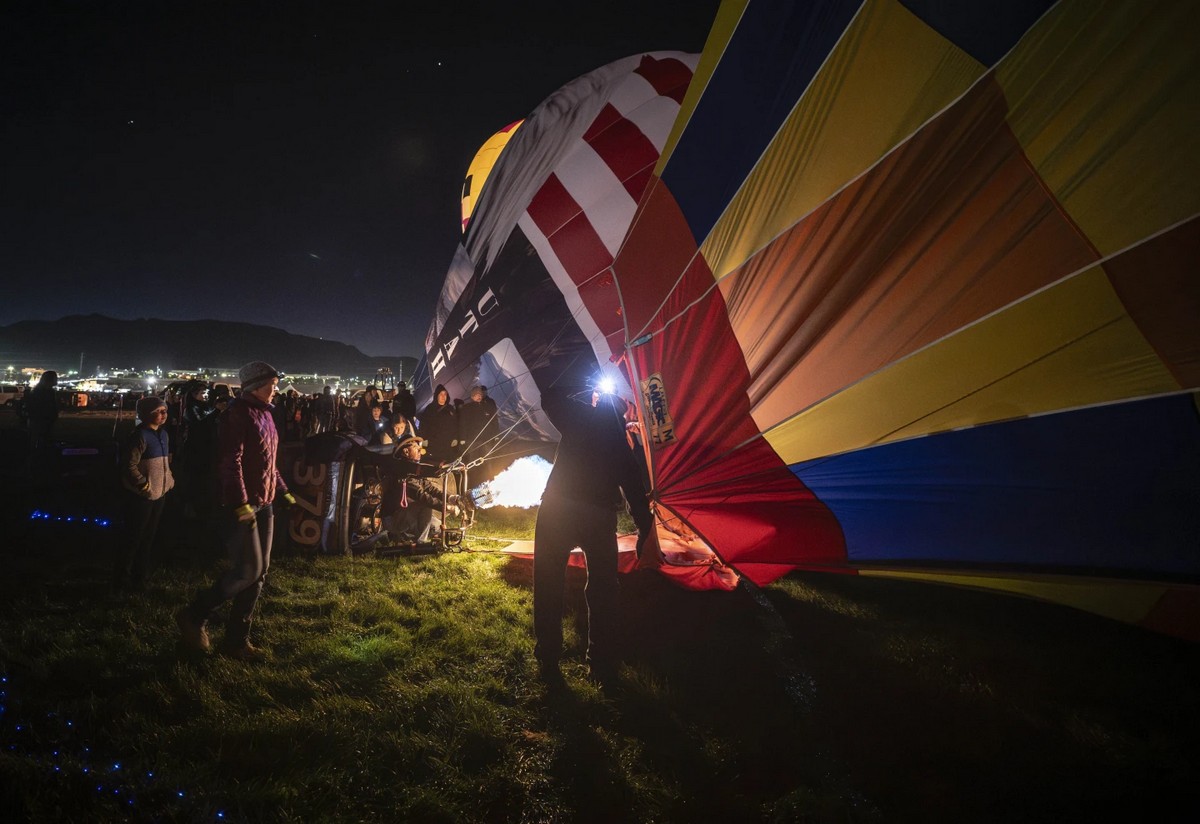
{"type": "Point", "coordinates": [911, 291]}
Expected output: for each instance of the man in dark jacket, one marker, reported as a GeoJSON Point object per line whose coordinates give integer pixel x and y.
{"type": "Point", "coordinates": [479, 432]}
{"type": "Point", "coordinates": [592, 469]}
{"type": "Point", "coordinates": [247, 444]}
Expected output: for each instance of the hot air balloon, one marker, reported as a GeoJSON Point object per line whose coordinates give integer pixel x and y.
{"type": "Point", "coordinates": [911, 291]}
{"type": "Point", "coordinates": [530, 299]}
{"type": "Point", "coordinates": [481, 167]}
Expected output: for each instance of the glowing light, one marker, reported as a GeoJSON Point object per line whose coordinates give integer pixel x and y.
{"type": "Point", "coordinates": [606, 386]}
{"type": "Point", "coordinates": [521, 485]}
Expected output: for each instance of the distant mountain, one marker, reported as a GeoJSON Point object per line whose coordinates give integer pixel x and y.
{"type": "Point", "coordinates": [146, 343]}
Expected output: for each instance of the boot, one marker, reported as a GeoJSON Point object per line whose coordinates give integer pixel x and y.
{"type": "Point", "coordinates": [236, 643]}
{"type": "Point", "coordinates": [195, 634]}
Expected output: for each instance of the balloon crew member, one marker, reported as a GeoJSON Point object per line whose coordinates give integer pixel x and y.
{"type": "Point", "coordinates": [146, 477]}
{"type": "Point", "coordinates": [413, 502]}
{"type": "Point", "coordinates": [592, 468]}
{"type": "Point", "coordinates": [250, 481]}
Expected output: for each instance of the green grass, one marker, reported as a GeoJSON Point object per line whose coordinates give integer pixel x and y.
{"type": "Point", "coordinates": [404, 690]}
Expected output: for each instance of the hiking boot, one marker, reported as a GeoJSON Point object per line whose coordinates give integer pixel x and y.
{"type": "Point", "coordinates": [550, 675]}
{"type": "Point", "coordinates": [242, 651]}
{"type": "Point", "coordinates": [605, 676]}
{"type": "Point", "coordinates": [236, 643]}
{"type": "Point", "coordinates": [195, 634]}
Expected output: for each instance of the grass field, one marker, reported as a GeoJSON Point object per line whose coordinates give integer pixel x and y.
{"type": "Point", "coordinates": [404, 690]}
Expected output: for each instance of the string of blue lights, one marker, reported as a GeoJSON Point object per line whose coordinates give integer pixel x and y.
{"type": "Point", "coordinates": [55, 745]}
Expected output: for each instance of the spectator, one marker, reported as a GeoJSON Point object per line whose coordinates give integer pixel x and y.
{"type": "Point", "coordinates": [479, 431]}
{"type": "Point", "coordinates": [396, 431]}
{"type": "Point", "coordinates": [363, 422]}
{"type": "Point", "coordinates": [326, 411]}
{"type": "Point", "coordinates": [439, 427]}
{"type": "Point", "coordinates": [378, 425]}
{"type": "Point", "coordinates": [146, 477]}
{"type": "Point", "coordinates": [41, 409]}
{"type": "Point", "coordinates": [404, 403]}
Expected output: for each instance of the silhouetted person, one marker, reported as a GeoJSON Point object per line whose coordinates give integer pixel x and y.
{"type": "Point", "coordinates": [41, 409]}
{"type": "Point", "coordinates": [592, 468]}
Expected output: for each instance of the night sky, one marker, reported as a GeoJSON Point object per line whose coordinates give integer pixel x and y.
{"type": "Point", "coordinates": [294, 164]}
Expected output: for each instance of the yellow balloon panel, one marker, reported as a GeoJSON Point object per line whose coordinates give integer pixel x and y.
{"type": "Point", "coordinates": [1068, 346]}
{"type": "Point", "coordinates": [481, 167]}
{"type": "Point", "coordinates": [889, 74]}
{"type": "Point", "coordinates": [1130, 602]}
{"type": "Point", "coordinates": [1104, 98]}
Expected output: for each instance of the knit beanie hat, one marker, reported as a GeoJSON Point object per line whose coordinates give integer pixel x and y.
{"type": "Point", "coordinates": [146, 406]}
{"type": "Point", "coordinates": [255, 374]}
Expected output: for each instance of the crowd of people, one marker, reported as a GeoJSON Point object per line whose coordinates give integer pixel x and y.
{"type": "Point", "coordinates": [222, 447]}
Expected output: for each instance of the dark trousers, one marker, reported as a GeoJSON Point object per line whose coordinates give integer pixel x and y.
{"type": "Point", "coordinates": [249, 548]}
{"type": "Point", "coordinates": [560, 528]}
{"type": "Point", "coordinates": [141, 525]}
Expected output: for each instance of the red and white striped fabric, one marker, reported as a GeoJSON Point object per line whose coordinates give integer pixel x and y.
{"type": "Point", "coordinates": [582, 210]}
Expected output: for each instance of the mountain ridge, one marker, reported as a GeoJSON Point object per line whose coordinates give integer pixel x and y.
{"type": "Point", "coordinates": [148, 343]}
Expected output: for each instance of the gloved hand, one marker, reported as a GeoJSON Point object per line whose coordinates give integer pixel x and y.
{"type": "Point", "coordinates": [245, 514]}
{"type": "Point", "coordinates": [288, 499]}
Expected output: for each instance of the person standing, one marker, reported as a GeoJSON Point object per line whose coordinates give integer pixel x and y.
{"type": "Point", "coordinates": [439, 426]}
{"type": "Point", "coordinates": [146, 477]}
{"type": "Point", "coordinates": [250, 481]}
{"type": "Point", "coordinates": [592, 468]}
{"type": "Point", "coordinates": [479, 431]}
{"type": "Point", "coordinates": [41, 409]}
{"type": "Point", "coordinates": [326, 411]}
{"type": "Point", "coordinates": [404, 403]}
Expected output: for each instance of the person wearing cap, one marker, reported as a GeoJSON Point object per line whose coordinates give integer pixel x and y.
{"type": "Point", "coordinates": [412, 502]}
{"type": "Point", "coordinates": [146, 478]}
{"type": "Point", "coordinates": [250, 482]}
{"type": "Point", "coordinates": [593, 468]}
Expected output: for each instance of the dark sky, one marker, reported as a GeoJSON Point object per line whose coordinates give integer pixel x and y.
{"type": "Point", "coordinates": [295, 164]}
